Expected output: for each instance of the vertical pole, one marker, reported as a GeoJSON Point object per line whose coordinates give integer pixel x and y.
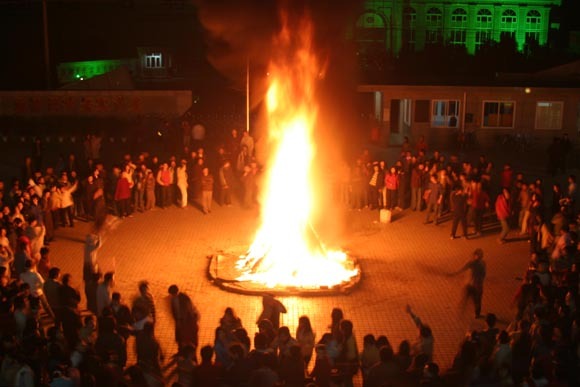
{"type": "Point", "coordinates": [46, 49]}
{"type": "Point", "coordinates": [463, 111]}
{"type": "Point", "coordinates": [248, 95]}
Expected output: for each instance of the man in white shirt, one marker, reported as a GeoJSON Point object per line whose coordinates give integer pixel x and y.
{"type": "Point", "coordinates": [35, 281]}
{"type": "Point", "coordinates": [105, 291]}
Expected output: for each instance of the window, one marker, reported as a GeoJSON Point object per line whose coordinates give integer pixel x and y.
{"type": "Point", "coordinates": [484, 19]}
{"type": "Point", "coordinates": [484, 28]}
{"type": "Point", "coordinates": [508, 23]}
{"type": "Point", "coordinates": [445, 113]}
{"type": "Point", "coordinates": [533, 26]}
{"type": "Point", "coordinates": [481, 38]}
{"type": "Point", "coordinates": [459, 18]}
{"type": "Point", "coordinates": [498, 114]}
{"type": "Point", "coordinates": [549, 115]}
{"type": "Point", "coordinates": [433, 26]}
{"type": "Point", "coordinates": [409, 19]}
{"type": "Point", "coordinates": [422, 110]}
{"type": "Point", "coordinates": [458, 27]}
{"type": "Point", "coordinates": [154, 61]}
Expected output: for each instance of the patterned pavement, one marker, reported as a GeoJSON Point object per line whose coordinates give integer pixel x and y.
{"type": "Point", "coordinates": [403, 262]}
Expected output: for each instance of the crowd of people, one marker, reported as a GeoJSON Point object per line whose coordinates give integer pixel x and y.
{"type": "Point", "coordinates": [48, 338]}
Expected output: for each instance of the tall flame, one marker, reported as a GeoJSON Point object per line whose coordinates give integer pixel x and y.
{"type": "Point", "coordinates": [286, 251]}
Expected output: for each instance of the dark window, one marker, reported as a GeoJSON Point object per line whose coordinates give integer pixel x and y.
{"type": "Point", "coordinates": [422, 112]}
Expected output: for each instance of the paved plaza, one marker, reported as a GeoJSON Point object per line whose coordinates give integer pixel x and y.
{"type": "Point", "coordinates": [404, 262]}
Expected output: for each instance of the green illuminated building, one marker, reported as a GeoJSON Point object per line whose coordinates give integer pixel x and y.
{"type": "Point", "coordinates": [413, 24]}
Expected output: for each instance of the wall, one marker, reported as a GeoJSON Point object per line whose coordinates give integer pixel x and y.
{"type": "Point", "coordinates": [474, 97]}
{"type": "Point", "coordinates": [85, 103]}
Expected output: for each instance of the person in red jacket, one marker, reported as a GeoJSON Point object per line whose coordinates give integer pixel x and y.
{"type": "Point", "coordinates": [502, 210]}
{"type": "Point", "coordinates": [392, 186]}
{"type": "Point", "coordinates": [123, 192]}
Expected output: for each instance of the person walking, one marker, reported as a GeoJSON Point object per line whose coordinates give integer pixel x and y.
{"type": "Point", "coordinates": [186, 318]}
{"type": "Point", "coordinates": [474, 287]}
{"type": "Point", "coordinates": [502, 210]}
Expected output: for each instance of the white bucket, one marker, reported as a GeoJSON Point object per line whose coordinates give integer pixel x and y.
{"type": "Point", "coordinates": [385, 216]}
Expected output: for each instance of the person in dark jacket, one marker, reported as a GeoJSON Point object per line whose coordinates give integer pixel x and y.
{"type": "Point", "coordinates": [474, 288]}
{"type": "Point", "coordinates": [459, 210]}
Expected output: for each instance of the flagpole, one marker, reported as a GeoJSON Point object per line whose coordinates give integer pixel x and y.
{"type": "Point", "coordinates": [248, 95]}
{"type": "Point", "coordinates": [46, 48]}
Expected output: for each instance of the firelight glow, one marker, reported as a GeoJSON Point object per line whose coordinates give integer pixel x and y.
{"type": "Point", "coordinates": [286, 251]}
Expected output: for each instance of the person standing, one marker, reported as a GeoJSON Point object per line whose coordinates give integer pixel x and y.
{"type": "Point", "coordinates": [164, 181]}
{"type": "Point", "coordinates": [374, 187]}
{"type": "Point", "coordinates": [479, 203]}
{"type": "Point", "coordinates": [104, 292]}
{"type": "Point", "coordinates": [459, 209]}
{"type": "Point", "coordinates": [248, 142]}
{"type": "Point", "coordinates": [417, 176]}
{"type": "Point", "coordinates": [392, 186]}
{"type": "Point", "coordinates": [139, 188]}
{"type": "Point", "coordinates": [502, 210]}
{"type": "Point", "coordinates": [123, 192]}
{"type": "Point", "coordinates": [434, 196]}
{"type": "Point", "coordinates": [67, 202]}
{"type": "Point", "coordinates": [226, 176]}
{"type": "Point", "coordinates": [182, 182]}
{"type": "Point", "coordinates": [206, 190]}
{"type": "Point", "coordinates": [474, 288]}
{"type": "Point", "coordinates": [149, 190]}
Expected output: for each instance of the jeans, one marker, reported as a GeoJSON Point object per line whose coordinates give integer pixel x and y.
{"type": "Point", "coordinates": [505, 229]}
{"type": "Point", "coordinates": [206, 199]}
{"type": "Point", "coordinates": [459, 219]}
{"type": "Point", "coordinates": [432, 207]}
{"type": "Point", "coordinates": [416, 197]}
{"type": "Point", "coordinates": [183, 190]}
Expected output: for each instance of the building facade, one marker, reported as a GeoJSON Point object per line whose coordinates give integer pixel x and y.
{"type": "Point", "coordinates": [442, 113]}
{"type": "Point", "coordinates": [412, 25]}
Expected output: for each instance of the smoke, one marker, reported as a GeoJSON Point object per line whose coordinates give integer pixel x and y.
{"type": "Point", "coordinates": [242, 30]}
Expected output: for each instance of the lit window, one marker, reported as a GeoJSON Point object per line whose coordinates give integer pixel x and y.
{"type": "Point", "coordinates": [445, 113]}
{"type": "Point", "coordinates": [549, 115]}
{"type": "Point", "coordinates": [533, 26]}
{"type": "Point", "coordinates": [458, 34]}
{"type": "Point", "coordinates": [508, 23]}
{"type": "Point", "coordinates": [484, 19]}
{"type": "Point", "coordinates": [409, 18]}
{"type": "Point", "coordinates": [154, 61]}
{"type": "Point", "coordinates": [433, 23]}
{"type": "Point", "coordinates": [459, 18]}
{"type": "Point", "coordinates": [498, 114]}
{"type": "Point", "coordinates": [484, 27]}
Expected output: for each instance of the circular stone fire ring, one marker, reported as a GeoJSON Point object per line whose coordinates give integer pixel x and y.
{"type": "Point", "coordinates": [222, 271]}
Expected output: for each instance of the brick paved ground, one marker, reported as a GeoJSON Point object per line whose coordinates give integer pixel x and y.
{"type": "Point", "coordinates": [403, 262]}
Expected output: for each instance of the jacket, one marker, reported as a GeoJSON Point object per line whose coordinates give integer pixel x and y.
{"type": "Point", "coordinates": [502, 208]}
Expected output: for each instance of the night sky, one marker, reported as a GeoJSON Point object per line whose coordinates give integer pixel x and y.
{"type": "Point", "coordinates": [222, 31]}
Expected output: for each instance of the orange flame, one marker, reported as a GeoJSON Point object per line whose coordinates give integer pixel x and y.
{"type": "Point", "coordinates": [286, 251]}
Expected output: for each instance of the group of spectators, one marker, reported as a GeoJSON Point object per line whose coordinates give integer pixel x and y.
{"type": "Point", "coordinates": [460, 191]}
{"type": "Point", "coordinates": [47, 338]}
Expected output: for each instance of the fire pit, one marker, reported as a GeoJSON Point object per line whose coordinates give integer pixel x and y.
{"type": "Point", "coordinates": [224, 273]}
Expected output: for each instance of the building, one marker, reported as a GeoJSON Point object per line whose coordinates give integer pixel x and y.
{"type": "Point", "coordinates": [411, 25]}
{"type": "Point", "coordinates": [442, 113]}
{"type": "Point", "coordinates": [149, 63]}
